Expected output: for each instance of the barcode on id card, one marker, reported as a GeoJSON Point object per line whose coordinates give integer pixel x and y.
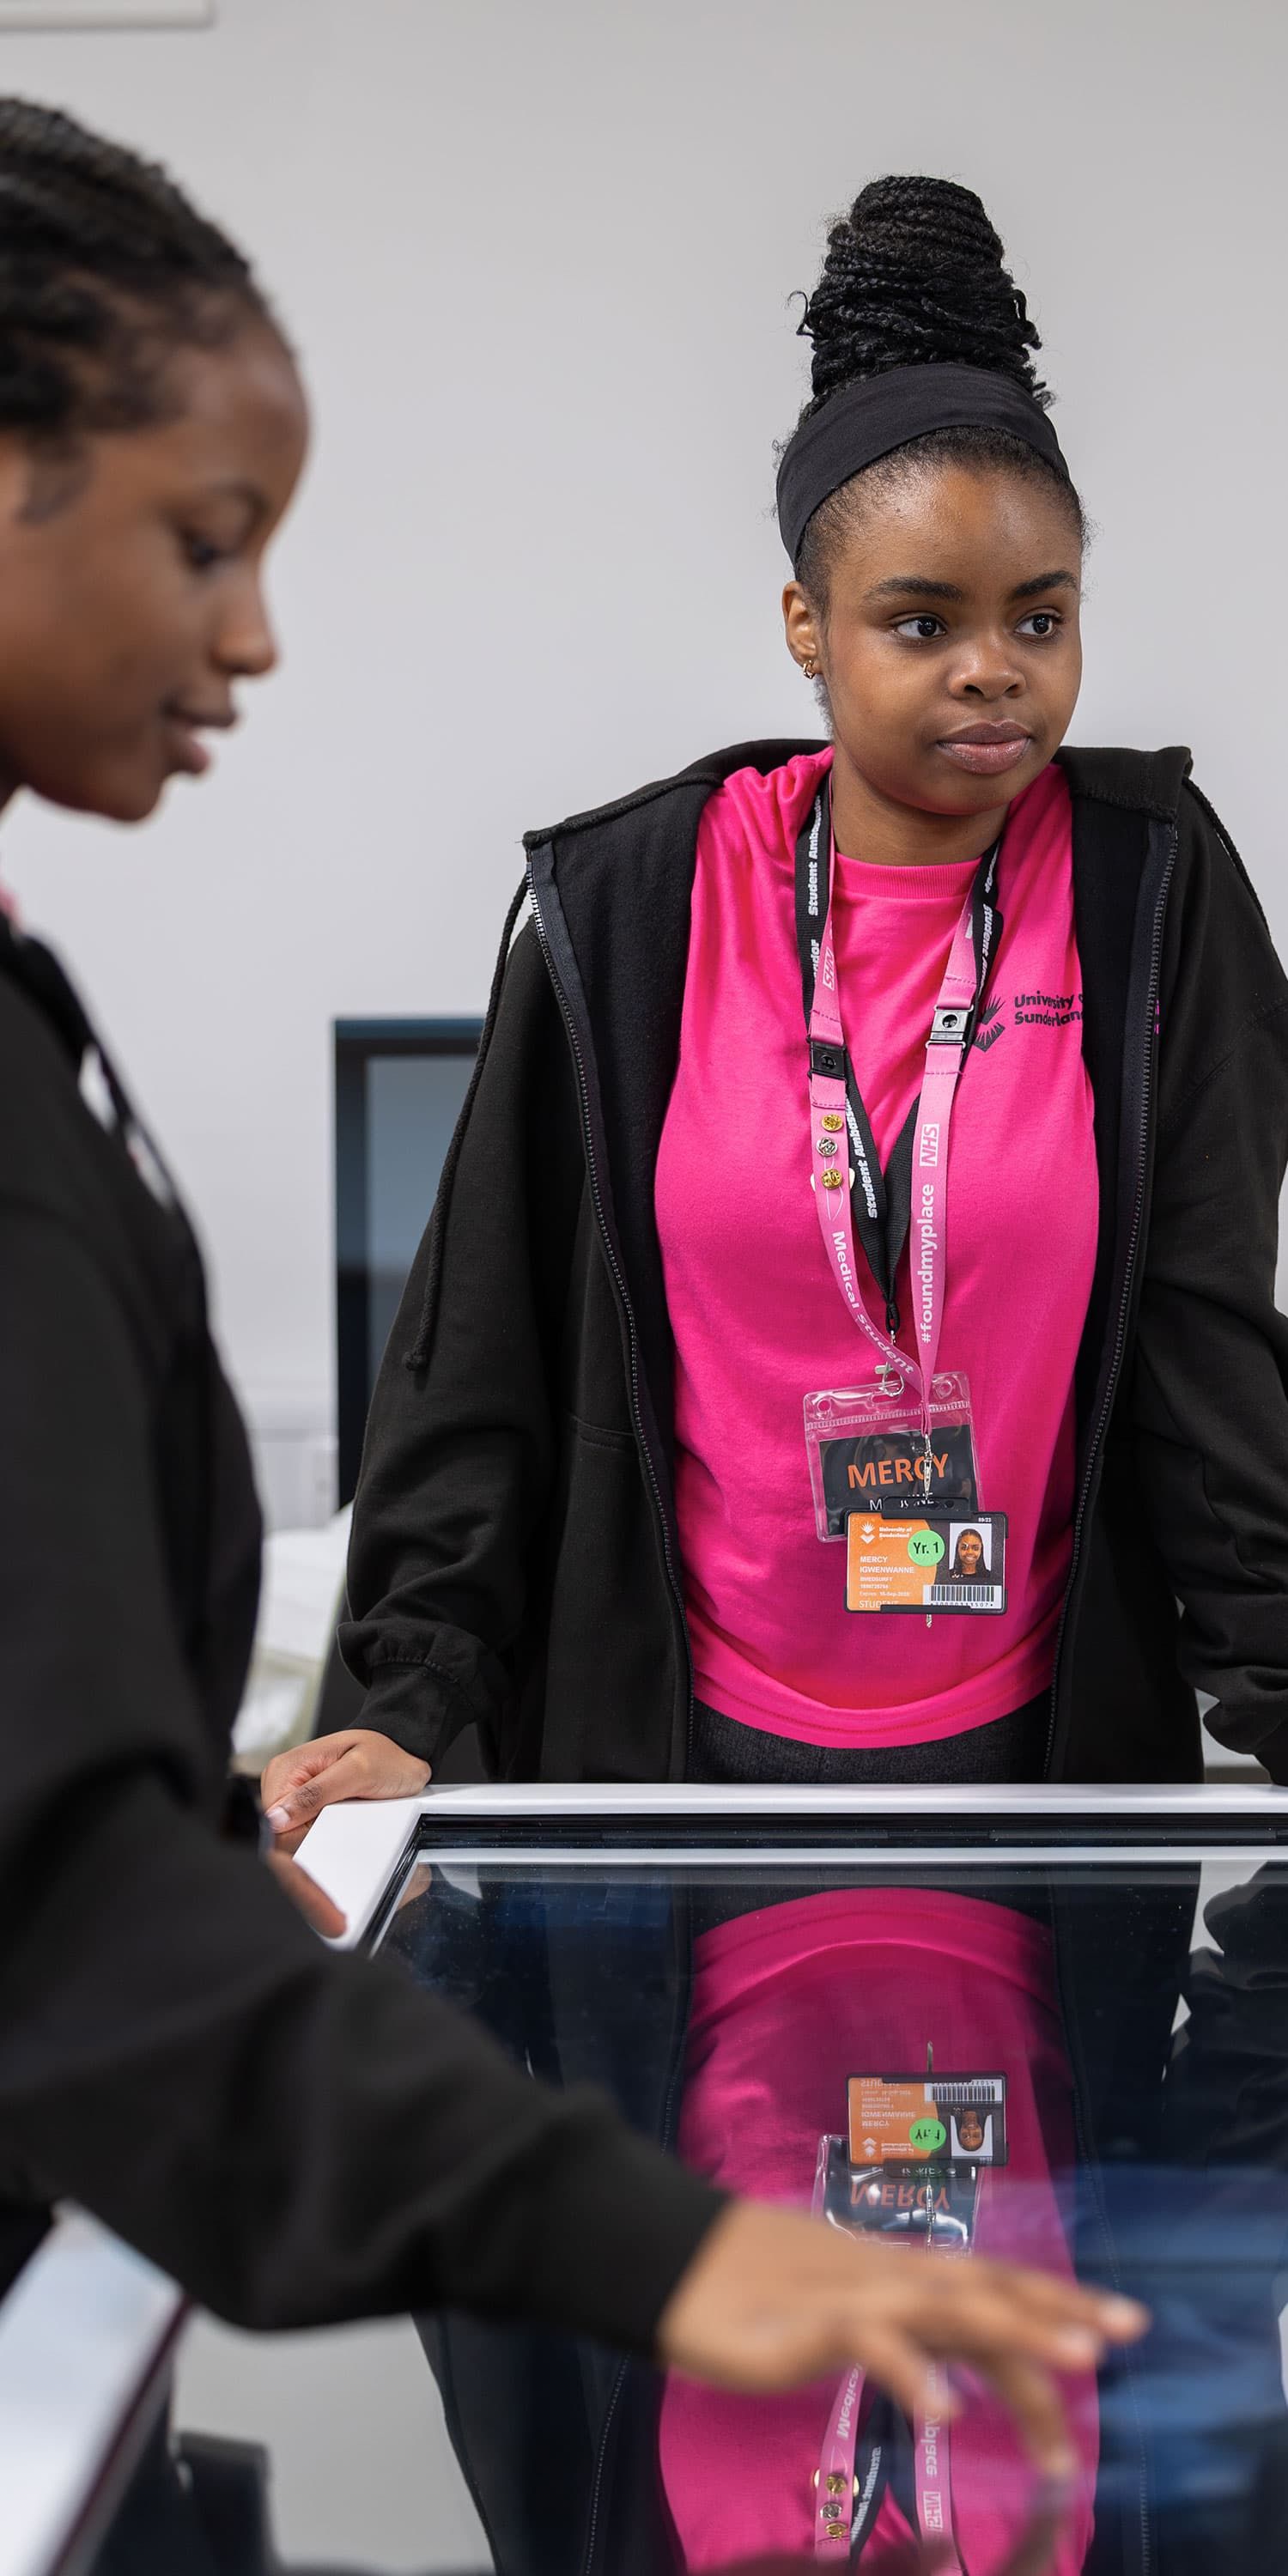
{"type": "Point", "coordinates": [974, 2088]}
{"type": "Point", "coordinates": [970, 1596]}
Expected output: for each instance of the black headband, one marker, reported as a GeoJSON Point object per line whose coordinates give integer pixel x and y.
{"type": "Point", "coordinates": [871, 419]}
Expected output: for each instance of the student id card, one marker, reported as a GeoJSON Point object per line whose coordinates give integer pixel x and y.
{"type": "Point", "coordinates": [926, 1565]}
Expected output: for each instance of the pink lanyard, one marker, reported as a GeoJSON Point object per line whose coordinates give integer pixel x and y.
{"type": "Point", "coordinates": [837, 2508]}
{"type": "Point", "coordinates": [933, 2472]}
{"type": "Point", "coordinates": [950, 1035]}
{"type": "Point", "coordinates": [834, 2503]}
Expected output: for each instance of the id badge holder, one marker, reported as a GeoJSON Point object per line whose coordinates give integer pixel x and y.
{"type": "Point", "coordinates": [913, 2155]}
{"type": "Point", "coordinates": [867, 1451]}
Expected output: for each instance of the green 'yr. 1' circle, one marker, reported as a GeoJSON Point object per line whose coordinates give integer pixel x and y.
{"type": "Point", "coordinates": [925, 1547]}
{"type": "Point", "coordinates": [926, 2136]}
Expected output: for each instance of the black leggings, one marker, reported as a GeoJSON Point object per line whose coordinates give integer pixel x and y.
{"type": "Point", "coordinates": [1011, 1748]}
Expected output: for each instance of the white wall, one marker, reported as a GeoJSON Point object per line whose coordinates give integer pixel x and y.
{"type": "Point", "coordinates": [538, 256]}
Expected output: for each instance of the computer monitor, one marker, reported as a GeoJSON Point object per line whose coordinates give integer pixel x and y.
{"type": "Point", "coordinates": [399, 1088]}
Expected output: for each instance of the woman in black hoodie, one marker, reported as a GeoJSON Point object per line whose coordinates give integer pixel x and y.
{"type": "Point", "coordinates": [296, 2136]}
{"type": "Point", "coordinates": [650, 1446]}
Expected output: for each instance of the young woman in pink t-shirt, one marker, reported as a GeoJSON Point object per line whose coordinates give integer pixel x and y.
{"type": "Point", "coordinates": [646, 1463]}
{"type": "Point", "coordinates": [1008, 1022]}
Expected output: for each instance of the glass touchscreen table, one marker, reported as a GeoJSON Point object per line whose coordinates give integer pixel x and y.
{"type": "Point", "coordinates": [1080, 2017]}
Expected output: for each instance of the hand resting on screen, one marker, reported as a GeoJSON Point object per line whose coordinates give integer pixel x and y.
{"type": "Point", "coordinates": [356, 1763]}
{"type": "Point", "coordinates": [772, 2299]}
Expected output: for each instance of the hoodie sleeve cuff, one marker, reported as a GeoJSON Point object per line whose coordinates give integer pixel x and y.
{"type": "Point", "coordinates": [620, 2225]}
{"type": "Point", "coordinates": [412, 1705]}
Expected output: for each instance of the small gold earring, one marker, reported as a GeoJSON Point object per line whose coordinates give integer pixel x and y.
{"type": "Point", "coordinates": [810, 670]}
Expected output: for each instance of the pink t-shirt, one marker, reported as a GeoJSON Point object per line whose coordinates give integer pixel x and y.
{"type": "Point", "coordinates": [788, 2003]}
{"type": "Point", "coordinates": [758, 1317]}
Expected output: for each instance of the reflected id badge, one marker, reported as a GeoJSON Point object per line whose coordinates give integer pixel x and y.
{"type": "Point", "coordinates": [927, 2119]}
{"type": "Point", "coordinates": [913, 2152]}
{"type": "Point", "coordinates": [931, 1564]}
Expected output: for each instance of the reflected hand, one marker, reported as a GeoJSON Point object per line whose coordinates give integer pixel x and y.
{"type": "Point", "coordinates": [356, 1763]}
{"type": "Point", "coordinates": [313, 1902]}
{"type": "Point", "coordinates": [773, 2299]}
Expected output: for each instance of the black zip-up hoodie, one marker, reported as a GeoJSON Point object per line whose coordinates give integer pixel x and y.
{"type": "Point", "coordinates": [515, 1563]}
{"type": "Point", "coordinates": [298, 2137]}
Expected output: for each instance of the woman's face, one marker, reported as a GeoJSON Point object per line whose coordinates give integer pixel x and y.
{"type": "Point", "coordinates": [970, 1552]}
{"type": "Point", "coordinates": [131, 581]}
{"type": "Point", "coordinates": [950, 645]}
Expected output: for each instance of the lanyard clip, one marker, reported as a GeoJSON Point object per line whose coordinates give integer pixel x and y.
{"type": "Point", "coordinates": [949, 1025]}
{"type": "Point", "coordinates": [827, 1059]}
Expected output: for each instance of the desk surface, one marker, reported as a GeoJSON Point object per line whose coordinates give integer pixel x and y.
{"type": "Point", "coordinates": [84, 2335]}
{"type": "Point", "coordinates": [723, 1962]}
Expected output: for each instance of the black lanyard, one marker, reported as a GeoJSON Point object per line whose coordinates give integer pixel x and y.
{"type": "Point", "coordinates": [873, 2466]}
{"type": "Point", "coordinates": [881, 1201]}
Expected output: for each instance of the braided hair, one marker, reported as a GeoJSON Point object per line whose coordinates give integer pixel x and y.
{"type": "Point", "coordinates": [916, 276]}
{"type": "Point", "coordinates": [105, 266]}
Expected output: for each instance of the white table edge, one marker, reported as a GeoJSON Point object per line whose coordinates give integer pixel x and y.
{"type": "Point", "coordinates": [354, 1849]}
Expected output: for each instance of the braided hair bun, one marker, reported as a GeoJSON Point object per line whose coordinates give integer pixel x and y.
{"type": "Point", "coordinates": [104, 266]}
{"type": "Point", "coordinates": [915, 276]}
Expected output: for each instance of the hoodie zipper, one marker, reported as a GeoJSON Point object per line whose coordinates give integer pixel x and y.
{"type": "Point", "coordinates": [618, 1276]}
{"type": "Point", "coordinates": [1129, 1276]}
{"type": "Point", "coordinates": [601, 2464]}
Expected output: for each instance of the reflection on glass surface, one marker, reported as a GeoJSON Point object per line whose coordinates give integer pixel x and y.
{"type": "Point", "coordinates": [1141, 2022]}
{"type": "Point", "coordinates": [788, 2002]}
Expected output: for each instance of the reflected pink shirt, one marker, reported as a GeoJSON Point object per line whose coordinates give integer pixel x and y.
{"type": "Point", "coordinates": [788, 2002]}
{"type": "Point", "coordinates": [758, 1318]}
